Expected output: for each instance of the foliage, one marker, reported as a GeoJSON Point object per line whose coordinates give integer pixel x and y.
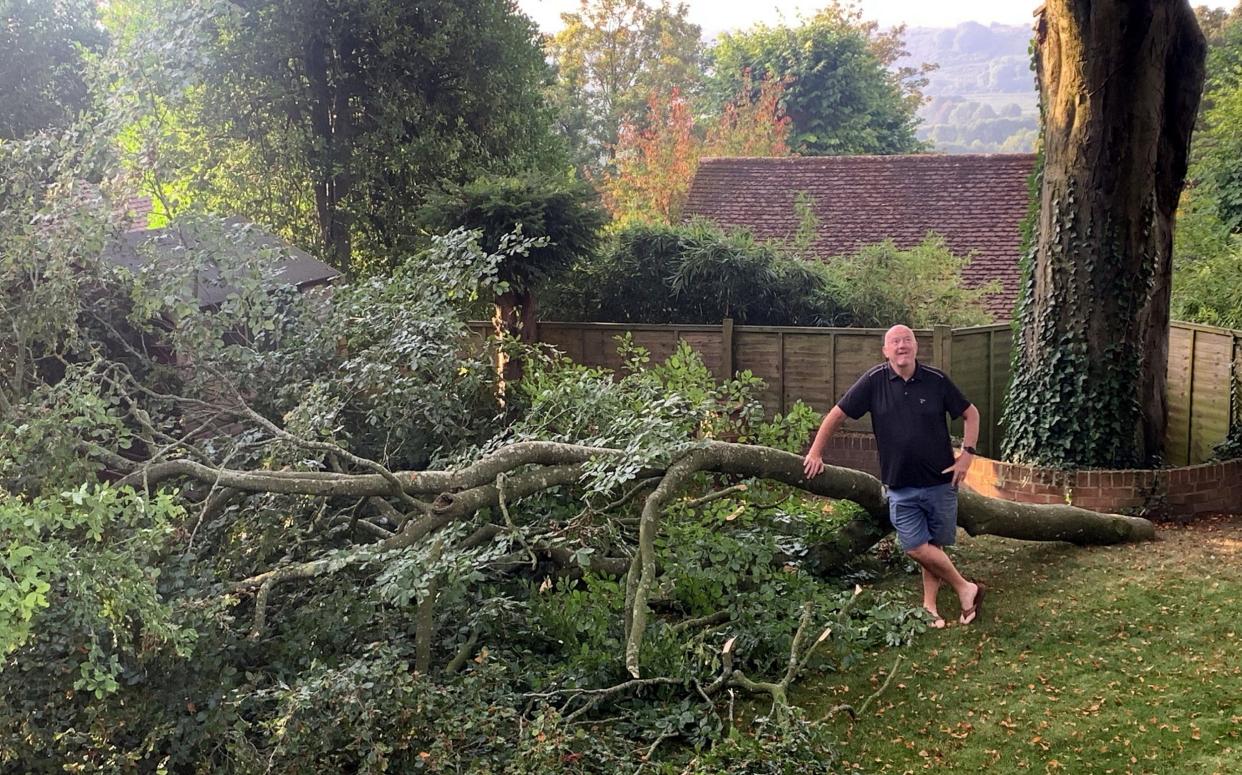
{"type": "Point", "coordinates": [1207, 281]}
{"type": "Point", "coordinates": [656, 159]}
{"type": "Point", "coordinates": [920, 286]}
{"type": "Point", "coordinates": [332, 684]}
{"type": "Point", "coordinates": [135, 638]}
{"type": "Point", "coordinates": [843, 98]}
{"type": "Point", "coordinates": [54, 228]}
{"type": "Point", "coordinates": [654, 165]}
{"type": "Point", "coordinates": [611, 58]}
{"type": "Point", "coordinates": [699, 273]}
{"type": "Point", "coordinates": [383, 371]}
{"type": "Point", "coordinates": [44, 45]}
{"type": "Point", "coordinates": [93, 553]}
{"type": "Point", "coordinates": [241, 111]}
{"type": "Point", "coordinates": [564, 214]}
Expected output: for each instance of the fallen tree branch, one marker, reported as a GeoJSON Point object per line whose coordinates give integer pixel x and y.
{"type": "Point", "coordinates": [849, 709]}
{"type": "Point", "coordinates": [524, 468]}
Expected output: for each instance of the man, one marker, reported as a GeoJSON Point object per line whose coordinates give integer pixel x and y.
{"type": "Point", "coordinates": [908, 401]}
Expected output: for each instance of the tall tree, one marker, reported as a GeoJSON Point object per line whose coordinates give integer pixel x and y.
{"type": "Point", "coordinates": [564, 216]}
{"type": "Point", "coordinates": [1120, 83]}
{"type": "Point", "coordinates": [332, 120]}
{"type": "Point", "coordinates": [844, 96]}
{"type": "Point", "coordinates": [658, 156]}
{"type": "Point", "coordinates": [610, 56]}
{"type": "Point", "coordinates": [43, 47]}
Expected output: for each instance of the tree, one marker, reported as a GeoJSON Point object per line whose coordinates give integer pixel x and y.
{"type": "Point", "coordinates": [1090, 357]}
{"type": "Point", "coordinates": [657, 157]}
{"type": "Point", "coordinates": [563, 218]}
{"type": "Point", "coordinates": [842, 96]}
{"type": "Point", "coordinates": [44, 45]}
{"type": "Point", "coordinates": [610, 56]}
{"type": "Point", "coordinates": [332, 121]}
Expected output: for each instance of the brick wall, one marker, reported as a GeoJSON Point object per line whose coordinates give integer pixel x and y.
{"type": "Point", "coordinates": [853, 450]}
{"type": "Point", "coordinates": [1167, 492]}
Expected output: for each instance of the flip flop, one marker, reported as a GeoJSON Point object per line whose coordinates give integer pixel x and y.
{"type": "Point", "coordinates": [973, 612]}
{"type": "Point", "coordinates": [937, 621]}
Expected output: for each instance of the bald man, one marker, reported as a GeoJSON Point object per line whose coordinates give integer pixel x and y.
{"type": "Point", "coordinates": [908, 401]}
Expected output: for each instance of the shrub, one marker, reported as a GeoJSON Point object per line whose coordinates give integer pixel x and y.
{"type": "Point", "coordinates": [700, 273]}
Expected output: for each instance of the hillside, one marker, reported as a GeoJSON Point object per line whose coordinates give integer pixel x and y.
{"type": "Point", "coordinates": [982, 96]}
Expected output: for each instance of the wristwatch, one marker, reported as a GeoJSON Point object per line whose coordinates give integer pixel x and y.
{"type": "Point", "coordinates": [971, 450]}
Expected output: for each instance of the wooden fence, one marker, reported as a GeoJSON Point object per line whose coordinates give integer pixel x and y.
{"type": "Point", "coordinates": [814, 365]}
{"type": "Point", "coordinates": [817, 365]}
{"type": "Point", "coordinates": [1204, 389]}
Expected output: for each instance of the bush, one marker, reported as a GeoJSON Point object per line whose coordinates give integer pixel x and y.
{"type": "Point", "coordinates": [699, 273]}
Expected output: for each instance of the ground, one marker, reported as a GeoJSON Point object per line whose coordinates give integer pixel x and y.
{"type": "Point", "coordinates": [1124, 659]}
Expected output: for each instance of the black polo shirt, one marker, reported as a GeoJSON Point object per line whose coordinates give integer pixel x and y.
{"type": "Point", "coordinates": [908, 418]}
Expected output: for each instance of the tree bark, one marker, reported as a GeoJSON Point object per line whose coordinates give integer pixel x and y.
{"type": "Point", "coordinates": [514, 316]}
{"type": "Point", "coordinates": [1119, 82]}
{"type": "Point", "coordinates": [540, 465]}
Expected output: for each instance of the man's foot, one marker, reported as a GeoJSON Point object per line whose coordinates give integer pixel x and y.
{"type": "Point", "coordinates": [971, 613]}
{"type": "Point", "coordinates": [937, 621]}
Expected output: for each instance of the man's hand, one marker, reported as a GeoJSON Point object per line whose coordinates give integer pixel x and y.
{"type": "Point", "coordinates": [812, 465]}
{"type": "Point", "coordinates": [960, 467]}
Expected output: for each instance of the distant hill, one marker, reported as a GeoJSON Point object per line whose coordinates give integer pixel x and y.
{"type": "Point", "coordinates": [983, 96]}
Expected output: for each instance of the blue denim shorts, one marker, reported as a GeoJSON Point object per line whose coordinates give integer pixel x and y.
{"type": "Point", "coordinates": [922, 515]}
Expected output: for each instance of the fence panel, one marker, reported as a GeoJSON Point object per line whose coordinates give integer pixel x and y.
{"type": "Point", "coordinates": [1205, 367]}
{"type": "Point", "coordinates": [1212, 370]}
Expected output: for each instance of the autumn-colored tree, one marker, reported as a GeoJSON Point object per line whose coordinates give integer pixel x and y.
{"type": "Point", "coordinates": [655, 161]}
{"type": "Point", "coordinates": [753, 123]}
{"type": "Point", "coordinates": [609, 56]}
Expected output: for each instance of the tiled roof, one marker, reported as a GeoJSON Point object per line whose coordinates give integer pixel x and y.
{"type": "Point", "coordinates": [976, 202]}
{"type": "Point", "coordinates": [137, 212]}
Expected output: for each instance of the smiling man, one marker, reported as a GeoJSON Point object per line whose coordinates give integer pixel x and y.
{"type": "Point", "coordinates": [908, 402]}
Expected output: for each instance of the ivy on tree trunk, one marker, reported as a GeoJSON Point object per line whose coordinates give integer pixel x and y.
{"type": "Point", "coordinates": [1119, 85]}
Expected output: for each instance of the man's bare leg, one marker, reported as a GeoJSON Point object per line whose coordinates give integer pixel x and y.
{"type": "Point", "coordinates": [933, 560]}
{"type": "Point", "coordinates": [931, 587]}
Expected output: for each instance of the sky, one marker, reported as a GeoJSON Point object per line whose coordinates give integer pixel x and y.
{"type": "Point", "coordinates": [715, 16]}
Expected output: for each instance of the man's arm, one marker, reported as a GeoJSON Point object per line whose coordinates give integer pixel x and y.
{"type": "Point", "coordinates": [813, 463]}
{"type": "Point", "coordinates": [970, 437]}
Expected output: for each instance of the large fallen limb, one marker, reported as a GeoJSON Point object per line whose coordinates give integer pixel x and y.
{"type": "Point", "coordinates": [525, 468]}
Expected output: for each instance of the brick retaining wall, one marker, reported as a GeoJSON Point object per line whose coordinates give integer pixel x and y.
{"type": "Point", "coordinates": [1166, 492]}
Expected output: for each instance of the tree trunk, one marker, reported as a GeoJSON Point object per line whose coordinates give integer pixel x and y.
{"type": "Point", "coordinates": [514, 316]}
{"type": "Point", "coordinates": [1119, 88]}
{"type": "Point", "coordinates": [332, 124]}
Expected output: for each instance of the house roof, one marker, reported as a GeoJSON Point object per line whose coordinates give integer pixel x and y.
{"type": "Point", "coordinates": [976, 202]}
{"type": "Point", "coordinates": [138, 248]}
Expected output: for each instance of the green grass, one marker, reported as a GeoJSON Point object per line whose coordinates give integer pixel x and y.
{"type": "Point", "coordinates": [1086, 660]}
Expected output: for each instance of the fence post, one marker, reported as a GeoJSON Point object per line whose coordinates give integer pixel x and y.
{"type": "Point", "coordinates": [942, 348]}
{"type": "Point", "coordinates": [832, 370]}
{"type": "Point", "coordinates": [726, 347]}
{"type": "Point", "coordinates": [780, 369]}
{"type": "Point", "coordinates": [1190, 401]}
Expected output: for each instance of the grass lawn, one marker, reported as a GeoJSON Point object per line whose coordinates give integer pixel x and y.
{"type": "Point", "coordinates": [1122, 659]}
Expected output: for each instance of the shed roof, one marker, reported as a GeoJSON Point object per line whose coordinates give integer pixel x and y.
{"type": "Point", "coordinates": [137, 248]}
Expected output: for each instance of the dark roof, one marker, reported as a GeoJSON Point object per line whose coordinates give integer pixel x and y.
{"type": "Point", "coordinates": [290, 265]}
{"type": "Point", "coordinates": [976, 202]}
